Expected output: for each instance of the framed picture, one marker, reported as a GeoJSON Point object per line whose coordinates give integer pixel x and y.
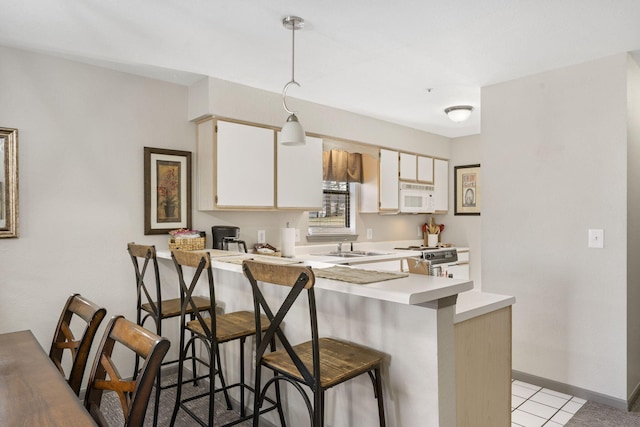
{"type": "Point", "coordinates": [468, 190]}
{"type": "Point", "coordinates": [8, 182]}
{"type": "Point", "coordinates": [167, 190]}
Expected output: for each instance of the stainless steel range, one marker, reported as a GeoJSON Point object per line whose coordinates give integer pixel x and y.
{"type": "Point", "coordinates": [435, 262]}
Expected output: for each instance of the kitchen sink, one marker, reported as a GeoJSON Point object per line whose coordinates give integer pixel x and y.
{"type": "Point", "coordinates": [352, 254]}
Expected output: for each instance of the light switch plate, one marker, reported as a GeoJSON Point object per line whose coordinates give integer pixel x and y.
{"type": "Point", "coordinates": [596, 238]}
{"type": "Point", "coordinates": [369, 233]}
{"type": "Point", "coordinates": [262, 238]}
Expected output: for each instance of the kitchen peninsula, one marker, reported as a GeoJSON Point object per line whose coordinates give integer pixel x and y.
{"type": "Point", "coordinates": [411, 319]}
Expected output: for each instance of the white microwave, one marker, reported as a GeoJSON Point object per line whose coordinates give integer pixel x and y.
{"type": "Point", "coordinates": [417, 198]}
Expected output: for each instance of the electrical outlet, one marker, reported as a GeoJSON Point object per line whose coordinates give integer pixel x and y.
{"type": "Point", "coordinates": [369, 233]}
{"type": "Point", "coordinates": [262, 238]}
{"type": "Point", "coordinates": [297, 234]}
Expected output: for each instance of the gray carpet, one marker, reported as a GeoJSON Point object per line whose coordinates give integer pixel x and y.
{"type": "Point", "coordinates": [112, 410]}
{"type": "Point", "coordinates": [597, 415]}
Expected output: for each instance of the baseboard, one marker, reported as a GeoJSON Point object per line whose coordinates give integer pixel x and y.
{"type": "Point", "coordinates": [582, 393]}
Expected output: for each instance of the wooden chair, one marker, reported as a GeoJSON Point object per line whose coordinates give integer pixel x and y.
{"type": "Point", "coordinates": [150, 304]}
{"type": "Point", "coordinates": [133, 394]}
{"type": "Point", "coordinates": [320, 363]}
{"type": "Point", "coordinates": [63, 337]}
{"type": "Point", "coordinates": [211, 330]}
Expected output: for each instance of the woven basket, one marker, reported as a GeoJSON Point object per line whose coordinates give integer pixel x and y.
{"type": "Point", "coordinates": [192, 244]}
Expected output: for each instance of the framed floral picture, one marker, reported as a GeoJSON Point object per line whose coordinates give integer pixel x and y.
{"type": "Point", "coordinates": [167, 190]}
{"type": "Point", "coordinates": [468, 190]}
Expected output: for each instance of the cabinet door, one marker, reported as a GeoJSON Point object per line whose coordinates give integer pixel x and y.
{"type": "Point", "coordinates": [369, 186]}
{"type": "Point", "coordinates": [299, 175]}
{"type": "Point", "coordinates": [389, 169]}
{"type": "Point", "coordinates": [245, 166]}
{"type": "Point", "coordinates": [441, 184]}
{"type": "Point", "coordinates": [425, 169]}
{"type": "Point", "coordinates": [408, 167]}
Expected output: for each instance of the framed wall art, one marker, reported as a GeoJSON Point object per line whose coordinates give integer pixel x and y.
{"type": "Point", "coordinates": [468, 190]}
{"type": "Point", "coordinates": [167, 190]}
{"type": "Point", "coordinates": [8, 182]}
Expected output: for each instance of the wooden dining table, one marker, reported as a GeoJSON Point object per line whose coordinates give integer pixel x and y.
{"type": "Point", "coordinates": [32, 391]}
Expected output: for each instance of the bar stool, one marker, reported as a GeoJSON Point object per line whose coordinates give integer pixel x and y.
{"type": "Point", "coordinates": [150, 305]}
{"type": "Point", "coordinates": [211, 330]}
{"type": "Point", "coordinates": [63, 337]}
{"type": "Point", "coordinates": [320, 363]}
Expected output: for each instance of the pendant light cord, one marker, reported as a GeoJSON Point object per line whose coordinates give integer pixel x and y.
{"type": "Point", "coordinates": [293, 66]}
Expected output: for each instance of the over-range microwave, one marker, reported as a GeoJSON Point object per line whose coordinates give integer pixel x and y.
{"type": "Point", "coordinates": [417, 198]}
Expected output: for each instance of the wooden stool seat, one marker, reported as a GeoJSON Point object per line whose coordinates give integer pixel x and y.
{"type": "Point", "coordinates": [339, 360]}
{"type": "Point", "coordinates": [230, 326]}
{"type": "Point", "coordinates": [172, 307]}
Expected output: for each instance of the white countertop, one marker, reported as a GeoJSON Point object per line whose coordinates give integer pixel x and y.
{"type": "Point", "coordinates": [472, 304]}
{"type": "Point", "coordinates": [414, 289]}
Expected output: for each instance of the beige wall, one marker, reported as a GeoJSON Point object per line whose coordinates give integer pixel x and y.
{"type": "Point", "coordinates": [82, 130]}
{"type": "Point", "coordinates": [633, 232]}
{"type": "Point", "coordinates": [555, 165]}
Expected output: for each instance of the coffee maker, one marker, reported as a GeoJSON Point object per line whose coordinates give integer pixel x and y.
{"type": "Point", "coordinates": [223, 235]}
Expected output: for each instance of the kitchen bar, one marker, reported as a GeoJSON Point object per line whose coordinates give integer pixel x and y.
{"type": "Point", "coordinates": [411, 319]}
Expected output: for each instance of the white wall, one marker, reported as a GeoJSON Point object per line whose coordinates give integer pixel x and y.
{"type": "Point", "coordinates": [82, 130]}
{"type": "Point", "coordinates": [212, 96]}
{"type": "Point", "coordinates": [633, 215]}
{"type": "Point", "coordinates": [555, 165]}
{"type": "Point", "coordinates": [465, 230]}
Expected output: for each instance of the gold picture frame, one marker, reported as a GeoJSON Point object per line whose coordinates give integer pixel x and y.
{"type": "Point", "coordinates": [8, 182]}
{"type": "Point", "coordinates": [468, 190]}
{"type": "Point", "coordinates": [167, 190]}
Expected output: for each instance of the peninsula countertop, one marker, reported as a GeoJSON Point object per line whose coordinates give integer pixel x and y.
{"type": "Point", "coordinates": [412, 289]}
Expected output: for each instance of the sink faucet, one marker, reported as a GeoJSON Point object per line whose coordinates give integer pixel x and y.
{"type": "Point", "coordinates": [339, 247]}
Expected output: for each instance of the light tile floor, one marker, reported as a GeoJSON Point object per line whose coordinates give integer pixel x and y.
{"type": "Point", "coordinates": [533, 406]}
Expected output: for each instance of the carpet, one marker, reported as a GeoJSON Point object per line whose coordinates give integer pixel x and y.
{"type": "Point", "coordinates": [598, 415]}
{"type": "Point", "coordinates": [112, 410]}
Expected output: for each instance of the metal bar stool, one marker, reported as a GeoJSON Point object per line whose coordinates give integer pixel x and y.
{"type": "Point", "coordinates": [320, 363]}
{"type": "Point", "coordinates": [210, 329]}
{"type": "Point", "coordinates": [150, 305]}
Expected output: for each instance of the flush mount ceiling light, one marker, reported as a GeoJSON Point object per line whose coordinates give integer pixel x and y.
{"type": "Point", "coordinates": [292, 132]}
{"type": "Point", "coordinates": [459, 113]}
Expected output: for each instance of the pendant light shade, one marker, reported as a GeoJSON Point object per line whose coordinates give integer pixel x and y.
{"type": "Point", "coordinates": [459, 113]}
{"type": "Point", "coordinates": [292, 132]}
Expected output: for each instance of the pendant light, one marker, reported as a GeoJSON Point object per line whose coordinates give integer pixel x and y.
{"type": "Point", "coordinates": [459, 113]}
{"type": "Point", "coordinates": [292, 132]}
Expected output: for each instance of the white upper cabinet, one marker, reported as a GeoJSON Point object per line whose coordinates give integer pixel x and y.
{"type": "Point", "coordinates": [236, 166]}
{"type": "Point", "coordinates": [389, 183]}
{"type": "Point", "coordinates": [425, 169]}
{"type": "Point", "coordinates": [416, 168]}
{"type": "Point", "coordinates": [369, 187]}
{"type": "Point", "coordinates": [299, 175]}
{"type": "Point", "coordinates": [408, 167]}
{"type": "Point", "coordinates": [441, 184]}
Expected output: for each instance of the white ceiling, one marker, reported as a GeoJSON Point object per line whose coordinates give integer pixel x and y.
{"type": "Point", "coordinates": [373, 57]}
